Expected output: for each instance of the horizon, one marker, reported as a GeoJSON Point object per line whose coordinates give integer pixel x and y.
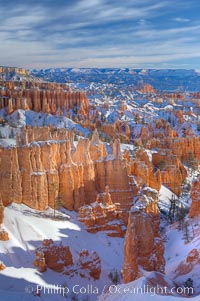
{"type": "Point", "coordinates": [146, 34]}
{"type": "Point", "coordinates": [122, 68]}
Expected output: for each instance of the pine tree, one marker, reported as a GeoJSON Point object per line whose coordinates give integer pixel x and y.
{"type": "Point", "coordinates": [190, 286]}
{"type": "Point", "coordinates": [172, 209]}
{"type": "Point", "coordinates": [186, 232]}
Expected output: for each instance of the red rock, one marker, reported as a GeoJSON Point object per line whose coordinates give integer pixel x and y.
{"type": "Point", "coordinates": [90, 262]}
{"type": "Point", "coordinates": [173, 173]}
{"type": "Point", "coordinates": [97, 148]}
{"type": "Point", "coordinates": [195, 196]}
{"type": "Point", "coordinates": [147, 89]}
{"type": "Point", "coordinates": [59, 258]}
{"type": "Point", "coordinates": [143, 248]}
{"type": "Point", "coordinates": [56, 256]}
{"type": "Point", "coordinates": [187, 265]}
{"type": "Point", "coordinates": [2, 266]}
{"type": "Point", "coordinates": [103, 215]}
{"type": "Point", "coordinates": [1, 213]}
{"type": "Point", "coordinates": [40, 261]}
{"type": "Point", "coordinates": [144, 171]}
{"type": "Point", "coordinates": [3, 235]}
{"type": "Point", "coordinates": [41, 97]}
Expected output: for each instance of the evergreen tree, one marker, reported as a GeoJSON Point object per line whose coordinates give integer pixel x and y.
{"type": "Point", "coordinates": [186, 232]}
{"type": "Point", "coordinates": [190, 286]}
{"type": "Point", "coordinates": [172, 209]}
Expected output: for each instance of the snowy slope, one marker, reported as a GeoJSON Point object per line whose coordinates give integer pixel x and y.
{"type": "Point", "coordinates": [176, 251]}
{"type": "Point", "coordinates": [20, 118]}
{"type": "Point", "coordinates": [27, 228]}
{"type": "Point", "coordinates": [177, 248]}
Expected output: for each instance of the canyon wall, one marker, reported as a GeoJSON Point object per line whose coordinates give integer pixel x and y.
{"type": "Point", "coordinates": [41, 97]}
{"type": "Point", "coordinates": [40, 173]}
{"type": "Point", "coordinates": [187, 149]}
{"type": "Point", "coordinates": [43, 173]}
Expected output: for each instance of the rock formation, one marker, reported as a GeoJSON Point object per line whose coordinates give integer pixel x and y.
{"type": "Point", "coordinates": [195, 196]}
{"type": "Point", "coordinates": [88, 265]}
{"type": "Point", "coordinates": [30, 134]}
{"type": "Point", "coordinates": [144, 248]}
{"type": "Point", "coordinates": [145, 171]}
{"type": "Point", "coordinates": [147, 89]}
{"type": "Point", "coordinates": [112, 171]}
{"type": "Point", "coordinates": [1, 213]}
{"type": "Point", "coordinates": [40, 262]}
{"type": "Point", "coordinates": [20, 71]}
{"type": "Point", "coordinates": [59, 258]}
{"type": "Point", "coordinates": [38, 173]}
{"type": "Point", "coordinates": [186, 149]}
{"type": "Point", "coordinates": [3, 233]}
{"type": "Point", "coordinates": [173, 173]}
{"type": "Point", "coordinates": [97, 148]}
{"type": "Point", "coordinates": [2, 266]}
{"type": "Point", "coordinates": [54, 256]}
{"type": "Point", "coordinates": [103, 215]}
{"type": "Point", "coordinates": [186, 266]}
{"type": "Point", "coordinates": [82, 158]}
{"type": "Point", "coordinates": [40, 97]}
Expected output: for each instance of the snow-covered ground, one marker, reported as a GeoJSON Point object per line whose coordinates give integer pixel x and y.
{"type": "Point", "coordinates": [27, 228]}
{"type": "Point", "coordinates": [176, 251]}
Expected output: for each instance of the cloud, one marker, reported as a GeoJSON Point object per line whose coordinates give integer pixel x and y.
{"type": "Point", "coordinates": [89, 33]}
{"type": "Point", "coordinates": [178, 19]}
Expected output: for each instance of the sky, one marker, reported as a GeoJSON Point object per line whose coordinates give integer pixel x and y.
{"type": "Point", "coordinates": [100, 33]}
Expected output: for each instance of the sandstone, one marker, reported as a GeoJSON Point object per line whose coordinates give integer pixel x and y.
{"type": "Point", "coordinates": [186, 149]}
{"type": "Point", "coordinates": [2, 266]}
{"type": "Point", "coordinates": [89, 262]}
{"type": "Point", "coordinates": [103, 215]}
{"type": "Point", "coordinates": [1, 213]}
{"type": "Point", "coordinates": [195, 196]}
{"type": "Point", "coordinates": [56, 256]}
{"type": "Point", "coordinates": [59, 258]}
{"type": "Point", "coordinates": [82, 158]}
{"type": "Point", "coordinates": [41, 97]}
{"type": "Point", "coordinates": [147, 89]}
{"type": "Point", "coordinates": [173, 173]}
{"type": "Point", "coordinates": [144, 248]}
{"type": "Point", "coordinates": [114, 173]}
{"type": "Point", "coordinates": [97, 148]}
{"type": "Point", "coordinates": [186, 266]}
{"type": "Point", "coordinates": [39, 173]}
{"type": "Point", "coordinates": [144, 171]}
{"type": "Point", "coordinates": [47, 133]}
{"type": "Point", "coordinates": [3, 235]}
{"type": "Point", "coordinates": [40, 262]}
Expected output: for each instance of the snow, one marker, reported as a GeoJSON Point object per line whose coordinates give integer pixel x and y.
{"type": "Point", "coordinates": [20, 118]}
{"type": "Point", "coordinates": [139, 290]}
{"type": "Point", "coordinates": [164, 198]}
{"type": "Point", "coordinates": [27, 228]}
{"type": "Point", "coordinates": [177, 249]}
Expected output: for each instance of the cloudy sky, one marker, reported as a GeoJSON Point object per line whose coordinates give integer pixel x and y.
{"type": "Point", "coordinates": [100, 33]}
